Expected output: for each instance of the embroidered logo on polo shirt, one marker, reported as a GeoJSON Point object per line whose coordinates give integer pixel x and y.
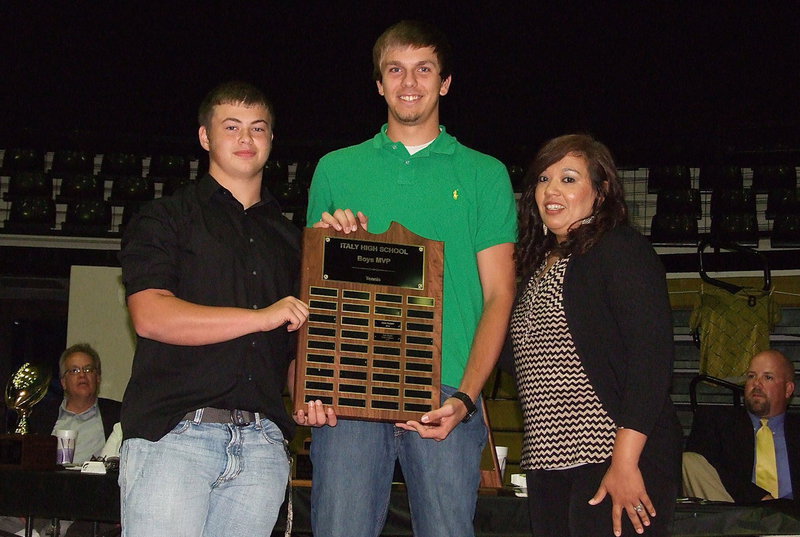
{"type": "Point", "coordinates": [455, 194]}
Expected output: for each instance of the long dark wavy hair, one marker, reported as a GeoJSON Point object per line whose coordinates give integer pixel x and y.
{"type": "Point", "coordinates": [609, 209]}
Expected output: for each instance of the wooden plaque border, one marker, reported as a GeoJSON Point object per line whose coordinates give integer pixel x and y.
{"type": "Point", "coordinates": [340, 382]}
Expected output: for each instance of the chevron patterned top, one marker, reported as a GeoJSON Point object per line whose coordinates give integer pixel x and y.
{"type": "Point", "coordinates": [565, 423]}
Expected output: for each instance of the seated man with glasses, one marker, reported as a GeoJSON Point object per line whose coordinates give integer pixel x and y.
{"type": "Point", "coordinates": [81, 409]}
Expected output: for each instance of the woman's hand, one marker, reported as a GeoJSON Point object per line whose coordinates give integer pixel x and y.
{"type": "Point", "coordinates": [623, 481]}
{"type": "Point", "coordinates": [628, 493]}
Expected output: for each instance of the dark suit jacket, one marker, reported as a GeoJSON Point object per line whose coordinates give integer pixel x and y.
{"type": "Point", "coordinates": [45, 414]}
{"type": "Point", "coordinates": [724, 436]}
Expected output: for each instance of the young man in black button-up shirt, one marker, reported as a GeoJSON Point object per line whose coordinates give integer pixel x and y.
{"type": "Point", "coordinates": [209, 273]}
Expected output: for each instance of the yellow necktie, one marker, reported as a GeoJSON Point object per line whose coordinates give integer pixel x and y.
{"type": "Point", "coordinates": [766, 467]}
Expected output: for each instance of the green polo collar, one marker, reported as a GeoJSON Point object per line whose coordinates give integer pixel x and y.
{"type": "Point", "coordinates": [444, 143]}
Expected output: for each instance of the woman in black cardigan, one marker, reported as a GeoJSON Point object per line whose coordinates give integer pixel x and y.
{"type": "Point", "coordinates": [592, 340]}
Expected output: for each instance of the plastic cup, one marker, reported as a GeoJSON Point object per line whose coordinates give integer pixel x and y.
{"type": "Point", "coordinates": [65, 451]}
{"type": "Point", "coordinates": [502, 454]}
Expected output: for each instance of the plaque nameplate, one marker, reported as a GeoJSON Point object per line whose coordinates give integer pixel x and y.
{"type": "Point", "coordinates": [372, 345]}
{"type": "Point", "coordinates": [378, 263]}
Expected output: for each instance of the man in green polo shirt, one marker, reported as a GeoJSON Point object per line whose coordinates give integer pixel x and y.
{"type": "Point", "coordinates": [417, 174]}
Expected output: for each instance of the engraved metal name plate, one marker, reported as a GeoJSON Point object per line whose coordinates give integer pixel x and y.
{"type": "Point", "coordinates": [378, 263]}
{"type": "Point", "coordinates": [372, 345]}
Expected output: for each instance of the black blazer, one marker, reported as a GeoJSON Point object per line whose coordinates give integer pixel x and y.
{"type": "Point", "coordinates": [45, 414]}
{"type": "Point", "coordinates": [618, 311]}
{"type": "Point", "coordinates": [724, 436]}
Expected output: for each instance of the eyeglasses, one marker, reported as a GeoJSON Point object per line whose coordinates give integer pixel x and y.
{"type": "Point", "coordinates": [77, 370]}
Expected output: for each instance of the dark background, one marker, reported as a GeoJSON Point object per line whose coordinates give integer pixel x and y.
{"type": "Point", "coordinates": [658, 82]}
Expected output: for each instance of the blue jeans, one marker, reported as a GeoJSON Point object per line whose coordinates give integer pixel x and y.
{"type": "Point", "coordinates": [204, 479]}
{"type": "Point", "coordinates": [353, 464]}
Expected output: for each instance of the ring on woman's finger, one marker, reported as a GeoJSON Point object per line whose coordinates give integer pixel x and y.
{"type": "Point", "coordinates": [639, 508]}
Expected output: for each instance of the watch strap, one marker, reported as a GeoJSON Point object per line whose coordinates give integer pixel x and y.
{"type": "Point", "coordinates": [467, 400]}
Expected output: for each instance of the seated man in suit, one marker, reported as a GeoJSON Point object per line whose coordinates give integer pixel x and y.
{"type": "Point", "coordinates": [750, 454]}
{"type": "Point", "coordinates": [81, 409]}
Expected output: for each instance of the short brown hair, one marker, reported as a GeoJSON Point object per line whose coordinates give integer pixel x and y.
{"type": "Point", "coordinates": [233, 92]}
{"type": "Point", "coordinates": [85, 348]}
{"type": "Point", "coordinates": [416, 34]}
{"type": "Point", "coordinates": [609, 211]}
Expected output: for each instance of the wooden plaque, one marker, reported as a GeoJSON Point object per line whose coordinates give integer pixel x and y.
{"type": "Point", "coordinates": [372, 345]}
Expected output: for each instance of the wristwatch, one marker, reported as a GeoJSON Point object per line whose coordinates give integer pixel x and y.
{"type": "Point", "coordinates": [467, 400]}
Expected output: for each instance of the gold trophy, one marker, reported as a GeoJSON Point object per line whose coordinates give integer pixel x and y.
{"type": "Point", "coordinates": [27, 386]}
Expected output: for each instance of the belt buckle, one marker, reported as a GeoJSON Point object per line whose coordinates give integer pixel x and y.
{"type": "Point", "coordinates": [237, 418]}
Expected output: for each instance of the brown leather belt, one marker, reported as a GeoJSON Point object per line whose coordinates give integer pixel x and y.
{"type": "Point", "coordinates": [221, 415]}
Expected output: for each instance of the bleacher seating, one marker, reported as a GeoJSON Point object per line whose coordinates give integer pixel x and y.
{"type": "Point", "coordinates": [716, 177]}
{"type": "Point", "coordinates": [18, 159]}
{"type": "Point", "coordinates": [116, 165]}
{"type": "Point", "coordinates": [786, 230]}
{"type": "Point", "coordinates": [124, 180]}
{"type": "Point", "coordinates": [81, 187]}
{"type": "Point", "coordinates": [669, 177]}
{"type": "Point", "coordinates": [88, 217]}
{"type": "Point", "coordinates": [781, 201]}
{"type": "Point", "coordinates": [740, 228]}
{"type": "Point", "coordinates": [68, 162]}
{"type": "Point", "coordinates": [31, 216]}
{"type": "Point", "coordinates": [679, 201]}
{"type": "Point", "coordinates": [28, 184]}
{"type": "Point", "coordinates": [674, 229]}
{"type": "Point", "coordinates": [162, 167]}
{"type": "Point", "coordinates": [733, 216]}
{"type": "Point", "coordinates": [131, 188]}
{"type": "Point", "coordinates": [774, 177]}
{"type": "Point", "coordinates": [115, 174]}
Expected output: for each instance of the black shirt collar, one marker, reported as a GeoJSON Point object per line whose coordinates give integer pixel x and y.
{"type": "Point", "coordinates": [207, 187]}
